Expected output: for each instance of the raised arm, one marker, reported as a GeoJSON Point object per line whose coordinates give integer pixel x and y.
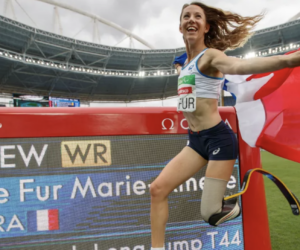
{"type": "Point", "coordinates": [178, 68]}
{"type": "Point", "coordinates": [235, 66]}
{"type": "Point", "coordinates": [179, 61]}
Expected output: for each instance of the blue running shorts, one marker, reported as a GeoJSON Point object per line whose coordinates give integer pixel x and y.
{"type": "Point", "coordinates": [216, 143]}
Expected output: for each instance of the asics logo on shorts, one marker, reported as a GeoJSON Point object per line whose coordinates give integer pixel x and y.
{"type": "Point", "coordinates": [216, 151]}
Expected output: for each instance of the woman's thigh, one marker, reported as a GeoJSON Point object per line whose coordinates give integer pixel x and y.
{"type": "Point", "coordinates": [179, 169]}
{"type": "Point", "coordinates": [220, 169]}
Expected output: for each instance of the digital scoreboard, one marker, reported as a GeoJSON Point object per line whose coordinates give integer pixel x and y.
{"type": "Point", "coordinates": [63, 102]}
{"type": "Point", "coordinates": [82, 182]}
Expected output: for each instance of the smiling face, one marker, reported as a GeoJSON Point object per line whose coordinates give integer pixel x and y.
{"type": "Point", "coordinates": [193, 24]}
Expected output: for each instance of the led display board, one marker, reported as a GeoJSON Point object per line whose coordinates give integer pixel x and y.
{"type": "Point", "coordinates": [28, 101]}
{"type": "Point", "coordinates": [86, 186]}
{"type": "Point", "coordinates": [63, 102]}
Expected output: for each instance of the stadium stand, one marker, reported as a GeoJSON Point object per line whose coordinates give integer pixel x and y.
{"type": "Point", "coordinates": [34, 61]}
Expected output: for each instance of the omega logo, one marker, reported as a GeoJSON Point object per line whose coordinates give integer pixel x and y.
{"type": "Point", "coordinates": [165, 126]}
{"type": "Point", "coordinates": [181, 124]}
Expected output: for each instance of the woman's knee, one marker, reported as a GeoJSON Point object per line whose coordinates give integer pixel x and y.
{"type": "Point", "coordinates": [157, 191]}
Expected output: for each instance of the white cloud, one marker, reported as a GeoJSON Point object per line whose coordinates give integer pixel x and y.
{"type": "Point", "coordinates": [161, 33]}
{"type": "Point", "coordinates": [155, 21]}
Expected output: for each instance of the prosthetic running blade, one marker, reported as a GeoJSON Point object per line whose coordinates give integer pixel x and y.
{"type": "Point", "coordinates": [291, 198]}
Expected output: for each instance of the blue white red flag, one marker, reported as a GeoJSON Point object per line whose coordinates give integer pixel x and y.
{"type": "Point", "coordinates": [43, 220]}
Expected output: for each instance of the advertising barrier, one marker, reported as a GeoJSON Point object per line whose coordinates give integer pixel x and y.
{"type": "Point", "coordinates": [79, 179]}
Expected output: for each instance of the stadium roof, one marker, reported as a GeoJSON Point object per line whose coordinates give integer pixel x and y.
{"type": "Point", "coordinates": [295, 17]}
{"type": "Point", "coordinates": [36, 62]}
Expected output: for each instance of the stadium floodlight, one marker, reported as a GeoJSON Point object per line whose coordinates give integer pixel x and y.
{"type": "Point", "coordinates": [43, 62]}
{"type": "Point", "coordinates": [31, 97]}
{"type": "Point", "coordinates": [80, 68]}
{"type": "Point", "coordinates": [250, 55]}
{"type": "Point", "coordinates": [275, 50]}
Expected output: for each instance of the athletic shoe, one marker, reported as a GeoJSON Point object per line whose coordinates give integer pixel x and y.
{"type": "Point", "coordinates": [230, 210]}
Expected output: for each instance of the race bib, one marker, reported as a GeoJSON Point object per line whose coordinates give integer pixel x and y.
{"type": "Point", "coordinates": [186, 94]}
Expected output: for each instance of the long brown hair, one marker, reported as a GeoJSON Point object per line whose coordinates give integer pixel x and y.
{"type": "Point", "coordinates": [227, 30]}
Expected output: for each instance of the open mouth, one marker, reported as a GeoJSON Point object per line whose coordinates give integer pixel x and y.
{"type": "Point", "coordinates": [191, 29]}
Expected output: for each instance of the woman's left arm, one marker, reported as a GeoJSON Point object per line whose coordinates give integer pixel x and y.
{"type": "Point", "coordinates": [236, 66]}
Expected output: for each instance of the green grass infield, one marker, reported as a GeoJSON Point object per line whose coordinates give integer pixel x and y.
{"type": "Point", "coordinates": [284, 226]}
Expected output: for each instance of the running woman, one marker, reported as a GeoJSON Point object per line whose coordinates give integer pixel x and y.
{"type": "Point", "coordinates": [208, 32]}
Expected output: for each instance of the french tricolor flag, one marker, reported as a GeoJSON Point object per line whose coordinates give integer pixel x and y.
{"type": "Point", "coordinates": [43, 220]}
{"type": "Point", "coordinates": [268, 110]}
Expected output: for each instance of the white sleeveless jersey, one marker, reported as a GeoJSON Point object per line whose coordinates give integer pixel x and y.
{"type": "Point", "coordinates": [192, 83]}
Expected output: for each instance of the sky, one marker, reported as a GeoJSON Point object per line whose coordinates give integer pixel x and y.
{"type": "Point", "coordinates": [156, 21]}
